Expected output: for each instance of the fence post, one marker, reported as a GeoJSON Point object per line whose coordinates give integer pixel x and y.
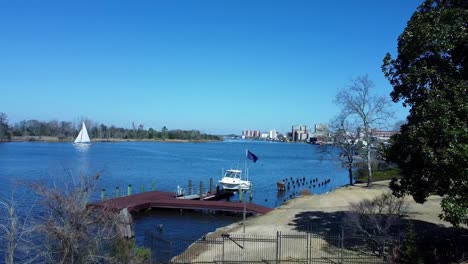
{"type": "Point", "coordinates": [103, 194]}
{"type": "Point", "coordinates": [129, 190]}
{"type": "Point", "coordinates": [278, 249]}
{"type": "Point", "coordinates": [189, 187]}
{"type": "Point", "coordinates": [117, 192]}
{"type": "Point", "coordinates": [222, 256]}
{"type": "Point", "coordinates": [341, 244]}
{"type": "Point", "coordinates": [153, 185]}
{"type": "Point", "coordinates": [308, 249]}
{"type": "Point", "coordinates": [142, 188]}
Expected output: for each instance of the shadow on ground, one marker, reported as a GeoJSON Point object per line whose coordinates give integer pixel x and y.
{"type": "Point", "coordinates": [435, 243]}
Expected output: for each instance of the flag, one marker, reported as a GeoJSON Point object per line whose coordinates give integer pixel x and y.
{"type": "Point", "coordinates": [251, 156]}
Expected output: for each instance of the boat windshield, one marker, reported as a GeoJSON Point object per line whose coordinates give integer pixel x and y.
{"type": "Point", "coordinates": [232, 174]}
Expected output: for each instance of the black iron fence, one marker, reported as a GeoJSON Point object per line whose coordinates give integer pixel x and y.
{"type": "Point", "coordinates": [293, 247]}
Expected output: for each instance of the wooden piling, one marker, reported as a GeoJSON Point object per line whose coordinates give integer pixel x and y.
{"type": "Point", "coordinates": [189, 187]}
{"type": "Point", "coordinates": [201, 190]}
{"type": "Point", "coordinates": [211, 185]}
{"type": "Point", "coordinates": [117, 192]}
{"type": "Point", "coordinates": [129, 190]}
{"type": "Point", "coordinates": [240, 194]}
{"type": "Point", "coordinates": [142, 188]}
{"type": "Point", "coordinates": [153, 185]}
{"type": "Point", "coordinates": [103, 194]}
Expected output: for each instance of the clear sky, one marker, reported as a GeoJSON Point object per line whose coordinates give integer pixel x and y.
{"type": "Point", "coordinates": [218, 66]}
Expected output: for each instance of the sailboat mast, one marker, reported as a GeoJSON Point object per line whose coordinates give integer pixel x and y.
{"type": "Point", "coordinates": [81, 134]}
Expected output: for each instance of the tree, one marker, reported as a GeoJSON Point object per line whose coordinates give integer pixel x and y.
{"type": "Point", "coordinates": [367, 110]}
{"type": "Point", "coordinates": [164, 132]}
{"type": "Point", "coordinates": [74, 232]}
{"type": "Point", "coordinates": [15, 234]}
{"type": "Point", "coordinates": [4, 133]}
{"type": "Point", "coordinates": [347, 142]}
{"type": "Point", "coordinates": [378, 217]}
{"type": "Point", "coordinates": [430, 75]}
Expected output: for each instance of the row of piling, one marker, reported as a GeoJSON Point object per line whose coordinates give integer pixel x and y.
{"type": "Point", "coordinates": [189, 190]}
{"type": "Point", "coordinates": [290, 183]}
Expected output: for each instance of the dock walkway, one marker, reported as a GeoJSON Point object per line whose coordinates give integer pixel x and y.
{"type": "Point", "coordinates": [160, 199]}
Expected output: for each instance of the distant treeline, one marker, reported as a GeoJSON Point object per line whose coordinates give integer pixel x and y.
{"type": "Point", "coordinates": [64, 130]}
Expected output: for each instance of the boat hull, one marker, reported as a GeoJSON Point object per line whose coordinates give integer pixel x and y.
{"type": "Point", "coordinates": [233, 184]}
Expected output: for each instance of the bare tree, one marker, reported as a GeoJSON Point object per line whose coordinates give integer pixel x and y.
{"type": "Point", "coordinates": [16, 234]}
{"type": "Point", "coordinates": [368, 110]}
{"type": "Point", "coordinates": [4, 135]}
{"type": "Point", "coordinates": [377, 218]}
{"type": "Point", "coordinates": [73, 232]}
{"type": "Point", "coordinates": [347, 142]}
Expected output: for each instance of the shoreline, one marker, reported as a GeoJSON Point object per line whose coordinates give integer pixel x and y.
{"type": "Point", "coordinates": [102, 140]}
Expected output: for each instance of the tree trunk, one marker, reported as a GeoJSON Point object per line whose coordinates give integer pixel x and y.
{"type": "Point", "coordinates": [350, 173]}
{"type": "Point", "coordinates": [368, 149]}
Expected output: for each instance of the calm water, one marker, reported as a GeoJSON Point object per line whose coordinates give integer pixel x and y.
{"type": "Point", "coordinates": [169, 165]}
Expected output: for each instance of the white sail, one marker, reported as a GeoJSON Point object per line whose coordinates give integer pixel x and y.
{"type": "Point", "coordinates": [83, 135]}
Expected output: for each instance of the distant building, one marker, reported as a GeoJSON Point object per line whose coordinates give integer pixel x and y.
{"type": "Point", "coordinates": [321, 130]}
{"type": "Point", "coordinates": [251, 134]}
{"type": "Point", "coordinates": [299, 133]}
{"type": "Point", "coordinates": [273, 134]}
{"type": "Point", "coordinates": [382, 135]}
{"type": "Point", "coordinates": [264, 135]}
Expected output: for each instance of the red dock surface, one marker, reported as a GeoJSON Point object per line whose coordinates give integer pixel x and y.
{"type": "Point", "coordinates": [159, 199]}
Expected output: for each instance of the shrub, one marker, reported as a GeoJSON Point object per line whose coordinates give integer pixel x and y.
{"type": "Point", "coordinates": [377, 218]}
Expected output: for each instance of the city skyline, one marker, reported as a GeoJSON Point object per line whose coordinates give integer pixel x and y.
{"type": "Point", "coordinates": [218, 67]}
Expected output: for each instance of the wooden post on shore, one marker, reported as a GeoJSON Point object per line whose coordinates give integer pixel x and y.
{"type": "Point", "coordinates": [117, 192]}
{"type": "Point", "coordinates": [201, 190]}
{"type": "Point", "coordinates": [211, 185]}
{"type": "Point", "coordinates": [129, 190]}
{"type": "Point", "coordinates": [240, 193]}
{"type": "Point", "coordinates": [189, 187]}
{"type": "Point", "coordinates": [153, 185]}
{"type": "Point", "coordinates": [103, 194]}
{"type": "Point", "coordinates": [142, 188]}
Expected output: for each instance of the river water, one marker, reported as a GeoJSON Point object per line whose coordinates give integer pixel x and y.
{"type": "Point", "coordinates": [168, 165]}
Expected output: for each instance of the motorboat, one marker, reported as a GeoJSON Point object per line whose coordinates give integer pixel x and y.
{"type": "Point", "coordinates": [232, 181]}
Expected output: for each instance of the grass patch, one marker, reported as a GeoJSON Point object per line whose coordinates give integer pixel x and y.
{"type": "Point", "coordinates": [378, 174]}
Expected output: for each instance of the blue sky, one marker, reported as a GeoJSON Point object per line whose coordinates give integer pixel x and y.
{"type": "Point", "coordinates": [217, 66]}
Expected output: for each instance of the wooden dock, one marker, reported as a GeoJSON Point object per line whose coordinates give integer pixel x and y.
{"type": "Point", "coordinates": [160, 199]}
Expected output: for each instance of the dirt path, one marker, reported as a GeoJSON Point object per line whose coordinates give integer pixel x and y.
{"type": "Point", "coordinates": [285, 217]}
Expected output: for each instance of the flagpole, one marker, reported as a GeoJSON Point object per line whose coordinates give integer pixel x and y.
{"type": "Point", "coordinates": [243, 221]}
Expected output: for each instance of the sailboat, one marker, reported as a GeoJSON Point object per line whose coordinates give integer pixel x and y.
{"type": "Point", "coordinates": [82, 139]}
